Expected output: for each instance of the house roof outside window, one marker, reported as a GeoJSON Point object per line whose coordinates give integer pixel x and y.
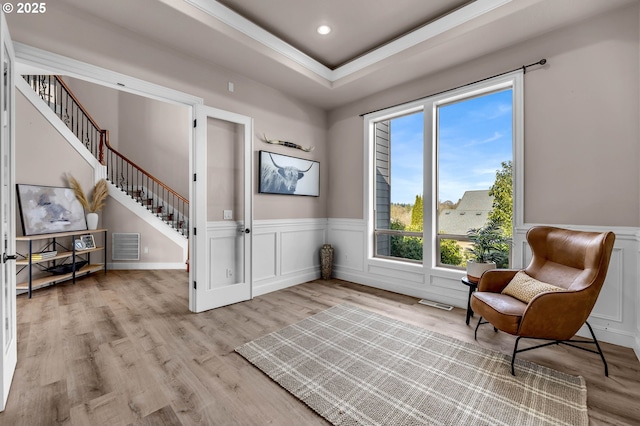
{"type": "Point", "coordinates": [472, 212]}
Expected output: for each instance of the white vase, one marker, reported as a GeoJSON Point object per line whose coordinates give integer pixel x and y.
{"type": "Point", "coordinates": [475, 270]}
{"type": "Point", "coordinates": [92, 221]}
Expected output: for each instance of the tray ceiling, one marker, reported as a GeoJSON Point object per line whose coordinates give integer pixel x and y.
{"type": "Point", "coordinates": [358, 26]}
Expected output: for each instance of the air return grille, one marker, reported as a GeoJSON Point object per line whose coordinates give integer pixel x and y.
{"type": "Point", "coordinates": [125, 246]}
{"type": "Point", "coordinates": [436, 304]}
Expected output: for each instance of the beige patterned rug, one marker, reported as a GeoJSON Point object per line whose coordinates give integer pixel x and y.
{"type": "Point", "coordinates": [355, 367]}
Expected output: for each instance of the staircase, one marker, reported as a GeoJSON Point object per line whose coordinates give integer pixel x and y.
{"type": "Point", "coordinates": [162, 201]}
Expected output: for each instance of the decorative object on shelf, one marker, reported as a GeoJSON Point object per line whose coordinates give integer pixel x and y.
{"type": "Point", "coordinates": [42, 255]}
{"type": "Point", "coordinates": [97, 203]}
{"type": "Point", "coordinates": [281, 174]}
{"type": "Point", "coordinates": [288, 144]}
{"type": "Point", "coordinates": [92, 220]}
{"type": "Point", "coordinates": [79, 245]}
{"type": "Point", "coordinates": [66, 268]}
{"type": "Point", "coordinates": [490, 249]}
{"type": "Point", "coordinates": [49, 209]}
{"type": "Point", "coordinates": [88, 241]}
{"type": "Point", "coordinates": [326, 261]}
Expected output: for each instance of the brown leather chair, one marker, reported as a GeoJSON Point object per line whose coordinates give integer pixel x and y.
{"type": "Point", "coordinates": [575, 261]}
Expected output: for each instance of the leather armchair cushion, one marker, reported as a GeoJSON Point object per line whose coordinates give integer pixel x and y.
{"type": "Point", "coordinates": [525, 288]}
{"type": "Point", "coordinates": [504, 312]}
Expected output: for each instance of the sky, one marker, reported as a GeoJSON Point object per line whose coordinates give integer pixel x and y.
{"type": "Point", "coordinates": [475, 137]}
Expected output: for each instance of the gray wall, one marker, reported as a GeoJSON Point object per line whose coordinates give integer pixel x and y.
{"type": "Point", "coordinates": [581, 124]}
{"type": "Point", "coordinates": [581, 114]}
{"type": "Point", "coordinates": [279, 115]}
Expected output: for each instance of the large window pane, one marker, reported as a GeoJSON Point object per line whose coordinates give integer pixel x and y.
{"type": "Point", "coordinates": [398, 192]}
{"type": "Point", "coordinates": [474, 170]}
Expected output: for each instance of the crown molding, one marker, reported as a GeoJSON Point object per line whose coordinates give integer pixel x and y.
{"type": "Point", "coordinates": [420, 35]}
{"type": "Point", "coordinates": [33, 60]}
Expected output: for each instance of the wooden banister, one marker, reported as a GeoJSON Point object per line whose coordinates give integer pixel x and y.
{"type": "Point", "coordinates": [82, 108]}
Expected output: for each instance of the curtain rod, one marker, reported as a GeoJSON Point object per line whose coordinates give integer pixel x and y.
{"type": "Point", "coordinates": [523, 68]}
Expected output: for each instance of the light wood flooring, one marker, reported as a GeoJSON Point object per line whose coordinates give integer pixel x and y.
{"type": "Point", "coordinates": [124, 349]}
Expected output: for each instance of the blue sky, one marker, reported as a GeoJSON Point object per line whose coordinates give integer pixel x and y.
{"type": "Point", "coordinates": [474, 139]}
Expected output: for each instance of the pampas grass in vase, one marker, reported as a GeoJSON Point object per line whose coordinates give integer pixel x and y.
{"type": "Point", "coordinates": [98, 199]}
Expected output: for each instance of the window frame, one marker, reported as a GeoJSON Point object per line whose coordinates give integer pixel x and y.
{"type": "Point", "coordinates": [430, 264]}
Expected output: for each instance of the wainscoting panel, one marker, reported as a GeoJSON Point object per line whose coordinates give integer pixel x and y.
{"type": "Point", "coordinates": [223, 260]}
{"type": "Point", "coordinates": [224, 253]}
{"type": "Point", "coordinates": [347, 238]}
{"type": "Point", "coordinates": [265, 247]}
{"type": "Point", "coordinates": [609, 305]}
{"type": "Point", "coordinates": [300, 258]}
{"type": "Point", "coordinates": [615, 317]}
{"type": "Point", "coordinates": [286, 252]}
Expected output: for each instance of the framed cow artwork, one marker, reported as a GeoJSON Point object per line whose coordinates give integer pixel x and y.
{"type": "Point", "coordinates": [282, 174]}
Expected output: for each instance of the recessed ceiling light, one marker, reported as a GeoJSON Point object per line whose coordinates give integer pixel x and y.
{"type": "Point", "coordinates": [324, 29]}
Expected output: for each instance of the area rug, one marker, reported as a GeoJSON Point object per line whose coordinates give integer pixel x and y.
{"type": "Point", "coordinates": [355, 367]}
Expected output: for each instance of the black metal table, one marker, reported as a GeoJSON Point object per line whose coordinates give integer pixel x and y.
{"type": "Point", "coordinates": [472, 287]}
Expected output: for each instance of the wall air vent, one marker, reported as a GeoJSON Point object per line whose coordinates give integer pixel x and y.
{"type": "Point", "coordinates": [125, 246]}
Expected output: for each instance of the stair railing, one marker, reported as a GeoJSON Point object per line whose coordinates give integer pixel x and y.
{"type": "Point", "coordinates": [121, 171]}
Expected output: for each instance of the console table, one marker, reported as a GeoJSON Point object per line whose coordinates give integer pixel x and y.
{"type": "Point", "coordinates": [62, 265]}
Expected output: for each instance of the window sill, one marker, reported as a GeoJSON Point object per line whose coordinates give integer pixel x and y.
{"type": "Point", "coordinates": [398, 265]}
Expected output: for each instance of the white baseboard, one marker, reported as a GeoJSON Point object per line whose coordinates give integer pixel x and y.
{"type": "Point", "coordinates": [144, 266]}
{"type": "Point", "coordinates": [609, 335]}
{"type": "Point", "coordinates": [282, 282]}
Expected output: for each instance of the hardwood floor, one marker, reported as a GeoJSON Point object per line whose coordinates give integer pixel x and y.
{"type": "Point", "coordinates": [124, 349]}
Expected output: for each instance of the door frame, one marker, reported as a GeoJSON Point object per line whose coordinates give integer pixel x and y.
{"type": "Point", "coordinates": [9, 353]}
{"type": "Point", "coordinates": [30, 59]}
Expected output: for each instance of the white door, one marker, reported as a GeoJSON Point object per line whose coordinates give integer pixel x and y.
{"type": "Point", "coordinates": [9, 356]}
{"type": "Point", "coordinates": [221, 209]}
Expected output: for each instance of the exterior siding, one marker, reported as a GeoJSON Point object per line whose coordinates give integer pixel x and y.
{"type": "Point", "coordinates": [383, 185]}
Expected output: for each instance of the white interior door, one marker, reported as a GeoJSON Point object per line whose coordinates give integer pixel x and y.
{"type": "Point", "coordinates": [220, 237]}
{"type": "Point", "coordinates": [8, 333]}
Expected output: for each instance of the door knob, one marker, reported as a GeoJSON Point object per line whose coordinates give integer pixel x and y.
{"type": "Point", "coordinates": [6, 257]}
{"type": "Point", "coordinates": [246, 231]}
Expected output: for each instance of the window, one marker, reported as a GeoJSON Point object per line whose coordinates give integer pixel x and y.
{"type": "Point", "coordinates": [473, 174]}
{"type": "Point", "coordinates": [442, 165]}
{"type": "Point", "coordinates": [399, 179]}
